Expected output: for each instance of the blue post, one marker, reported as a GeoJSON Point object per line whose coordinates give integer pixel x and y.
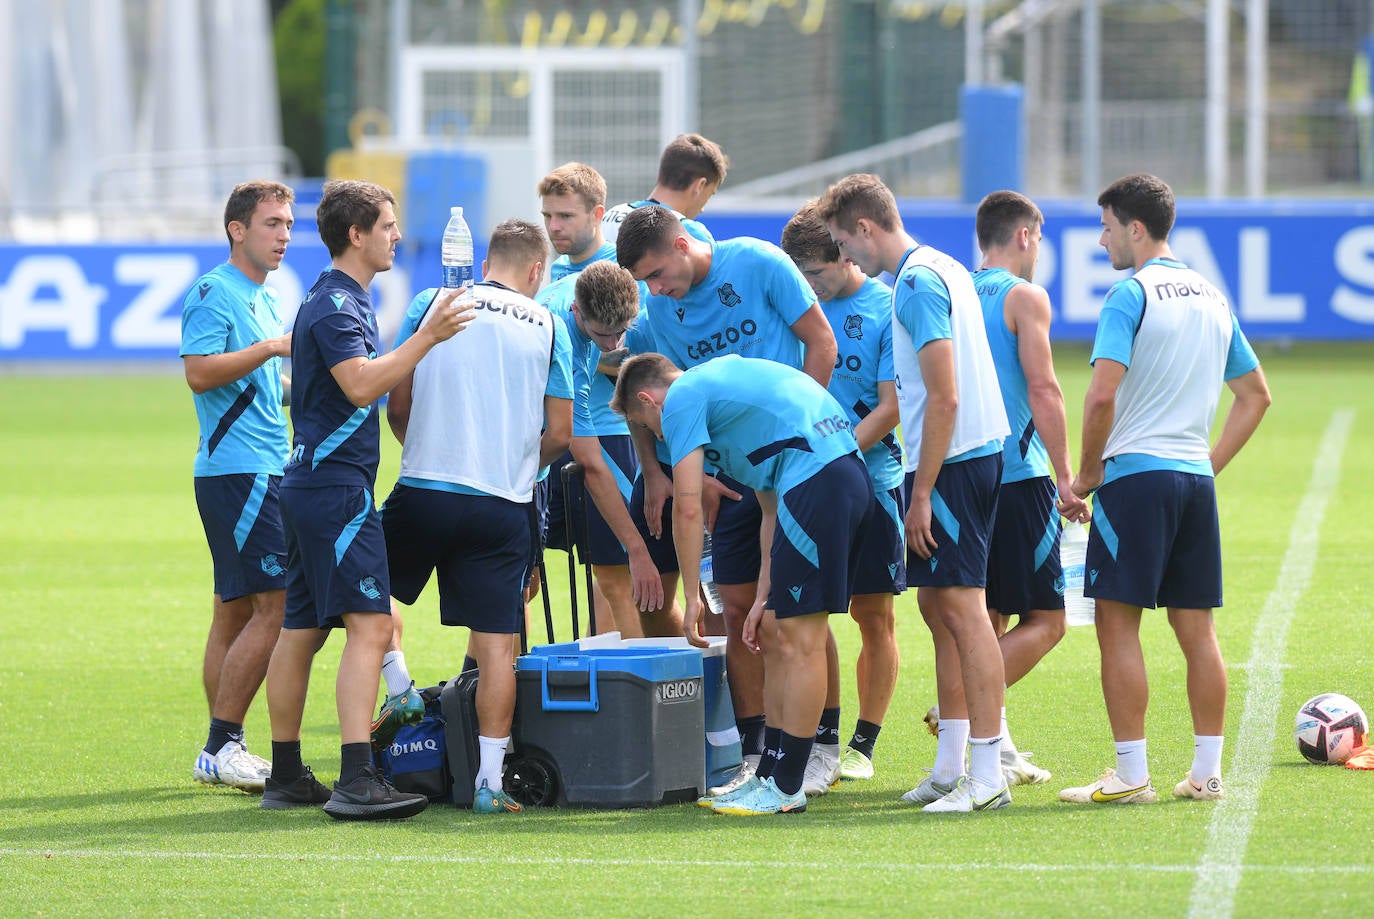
{"type": "Point", "coordinates": [994, 147]}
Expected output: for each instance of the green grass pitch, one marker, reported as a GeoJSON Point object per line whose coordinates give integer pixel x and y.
{"type": "Point", "coordinates": [104, 603]}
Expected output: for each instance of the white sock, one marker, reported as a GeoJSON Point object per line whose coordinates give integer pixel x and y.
{"type": "Point", "coordinates": [493, 756]}
{"type": "Point", "coordinates": [949, 750]}
{"type": "Point", "coordinates": [985, 760]}
{"type": "Point", "coordinates": [1131, 766]}
{"type": "Point", "coordinates": [395, 673]}
{"type": "Point", "coordinates": [1007, 743]}
{"type": "Point", "coordinates": [1206, 756]}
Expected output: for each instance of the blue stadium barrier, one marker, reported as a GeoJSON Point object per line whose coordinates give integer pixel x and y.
{"type": "Point", "coordinates": [1292, 270]}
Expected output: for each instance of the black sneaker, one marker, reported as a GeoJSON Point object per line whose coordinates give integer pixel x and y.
{"type": "Point", "coordinates": [371, 797]}
{"type": "Point", "coordinates": [305, 791]}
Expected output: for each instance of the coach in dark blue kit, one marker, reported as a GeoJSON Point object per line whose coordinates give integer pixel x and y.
{"type": "Point", "coordinates": [336, 554]}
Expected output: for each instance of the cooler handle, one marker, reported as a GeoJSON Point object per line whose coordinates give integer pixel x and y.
{"type": "Point", "coordinates": [590, 704]}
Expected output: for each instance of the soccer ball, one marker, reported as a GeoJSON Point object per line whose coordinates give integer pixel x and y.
{"type": "Point", "coordinates": [1330, 727]}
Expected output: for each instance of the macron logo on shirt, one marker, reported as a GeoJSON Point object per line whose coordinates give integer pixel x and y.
{"type": "Point", "coordinates": [339, 300]}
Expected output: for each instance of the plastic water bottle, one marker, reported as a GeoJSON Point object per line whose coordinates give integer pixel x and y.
{"type": "Point", "coordinates": [708, 579]}
{"type": "Point", "coordinates": [456, 251]}
{"type": "Point", "coordinates": [1073, 550]}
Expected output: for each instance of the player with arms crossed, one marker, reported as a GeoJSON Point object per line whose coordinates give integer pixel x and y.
{"type": "Point", "coordinates": [231, 348]}
{"type": "Point", "coordinates": [779, 432]}
{"type": "Point", "coordinates": [470, 417]}
{"type": "Point", "coordinates": [1166, 341]}
{"type": "Point", "coordinates": [859, 310]}
{"type": "Point", "coordinates": [336, 552]}
{"type": "Point", "coordinates": [953, 424]}
{"type": "Point", "coordinates": [1024, 576]}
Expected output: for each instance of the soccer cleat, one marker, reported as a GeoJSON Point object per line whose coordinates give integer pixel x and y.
{"type": "Point", "coordinates": [233, 766]}
{"type": "Point", "coordinates": [764, 798]}
{"type": "Point", "coordinates": [741, 775]}
{"type": "Point", "coordinates": [969, 796]}
{"type": "Point", "coordinates": [822, 771]}
{"type": "Point", "coordinates": [487, 801]}
{"type": "Point", "coordinates": [305, 791]}
{"type": "Point", "coordinates": [371, 797]}
{"type": "Point", "coordinates": [929, 791]}
{"type": "Point", "coordinates": [1110, 790]}
{"type": "Point", "coordinates": [1209, 790]}
{"type": "Point", "coordinates": [932, 720]}
{"type": "Point", "coordinates": [1017, 769]}
{"type": "Point", "coordinates": [263, 765]}
{"type": "Point", "coordinates": [406, 707]}
{"type": "Point", "coordinates": [745, 787]}
{"type": "Point", "coordinates": [854, 765]}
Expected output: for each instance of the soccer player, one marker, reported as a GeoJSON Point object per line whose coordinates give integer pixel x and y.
{"type": "Point", "coordinates": [231, 349]}
{"type": "Point", "coordinates": [463, 504]}
{"type": "Point", "coordinates": [1166, 340]}
{"type": "Point", "coordinates": [336, 553]}
{"type": "Point", "coordinates": [690, 171]}
{"type": "Point", "coordinates": [573, 200]}
{"type": "Point", "coordinates": [779, 432]}
{"type": "Point", "coordinates": [599, 305]}
{"type": "Point", "coordinates": [707, 299]}
{"type": "Point", "coordinates": [1024, 576]}
{"type": "Point", "coordinates": [952, 425]}
{"type": "Point", "coordinates": [859, 310]}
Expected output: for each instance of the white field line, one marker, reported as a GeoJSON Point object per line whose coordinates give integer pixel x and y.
{"type": "Point", "coordinates": [1214, 892]}
{"type": "Point", "coordinates": [553, 861]}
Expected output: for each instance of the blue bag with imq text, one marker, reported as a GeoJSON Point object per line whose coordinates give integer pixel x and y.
{"type": "Point", "coordinates": [417, 760]}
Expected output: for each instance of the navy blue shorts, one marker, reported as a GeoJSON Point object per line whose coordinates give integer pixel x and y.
{"type": "Point", "coordinates": [596, 541]}
{"type": "Point", "coordinates": [819, 539]}
{"type": "Point", "coordinates": [662, 551]}
{"type": "Point", "coordinates": [735, 553]}
{"type": "Point", "coordinates": [963, 506]}
{"type": "Point", "coordinates": [479, 545]}
{"type": "Point", "coordinates": [882, 564]}
{"type": "Point", "coordinates": [1024, 573]}
{"type": "Point", "coordinates": [555, 531]}
{"type": "Point", "coordinates": [335, 556]}
{"type": "Point", "coordinates": [241, 515]}
{"type": "Point", "coordinates": [1155, 541]}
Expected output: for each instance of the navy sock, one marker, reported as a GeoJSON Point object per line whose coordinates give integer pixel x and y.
{"type": "Point", "coordinates": [751, 739]}
{"type": "Point", "coordinates": [354, 758]}
{"type": "Point", "coordinates": [221, 732]}
{"type": "Point", "coordinates": [771, 744]}
{"type": "Point", "coordinates": [829, 730]}
{"type": "Point", "coordinates": [286, 761]}
{"type": "Point", "coordinates": [865, 736]}
{"type": "Point", "coordinates": [787, 774]}
{"type": "Point", "coordinates": [469, 663]}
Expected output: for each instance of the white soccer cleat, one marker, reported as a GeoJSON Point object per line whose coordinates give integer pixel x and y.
{"type": "Point", "coordinates": [734, 783]}
{"type": "Point", "coordinates": [1017, 769]}
{"type": "Point", "coordinates": [1110, 790]}
{"type": "Point", "coordinates": [822, 770]}
{"type": "Point", "coordinates": [1209, 790]}
{"type": "Point", "coordinates": [234, 766]}
{"type": "Point", "coordinates": [263, 765]}
{"type": "Point", "coordinates": [970, 796]}
{"type": "Point", "coordinates": [929, 791]}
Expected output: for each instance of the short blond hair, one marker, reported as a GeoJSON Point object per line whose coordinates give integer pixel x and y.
{"type": "Point", "coordinates": [575, 179]}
